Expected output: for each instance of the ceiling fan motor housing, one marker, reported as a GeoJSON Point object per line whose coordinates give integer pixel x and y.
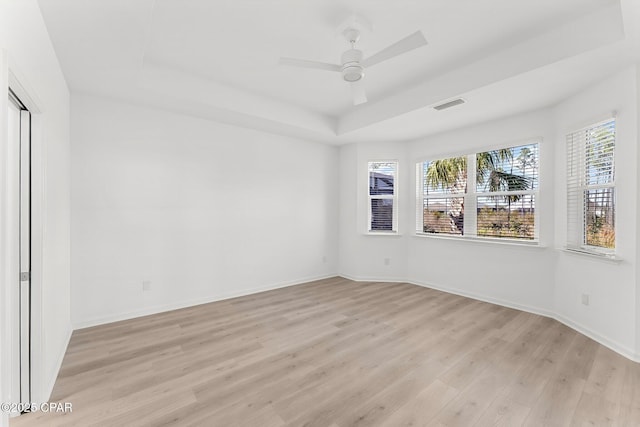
{"type": "Point", "coordinates": [352, 71]}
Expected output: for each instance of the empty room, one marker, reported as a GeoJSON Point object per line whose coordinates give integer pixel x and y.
{"type": "Point", "coordinates": [321, 213]}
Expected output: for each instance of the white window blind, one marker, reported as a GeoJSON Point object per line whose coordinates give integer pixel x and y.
{"type": "Point", "coordinates": [444, 184]}
{"type": "Point", "coordinates": [591, 188]}
{"type": "Point", "coordinates": [507, 186]}
{"type": "Point", "coordinates": [382, 199]}
{"type": "Point", "coordinates": [486, 194]}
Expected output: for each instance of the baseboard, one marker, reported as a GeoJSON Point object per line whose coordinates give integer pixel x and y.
{"type": "Point", "coordinates": [190, 303]}
{"type": "Point", "coordinates": [372, 279]}
{"type": "Point", "coordinates": [46, 393]}
{"type": "Point", "coordinates": [617, 347]}
{"type": "Point", "coordinates": [485, 298]}
{"type": "Point", "coordinates": [612, 345]}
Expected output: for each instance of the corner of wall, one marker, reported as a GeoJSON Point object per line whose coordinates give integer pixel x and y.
{"type": "Point", "coordinates": [637, 272]}
{"type": "Point", "coordinates": [47, 386]}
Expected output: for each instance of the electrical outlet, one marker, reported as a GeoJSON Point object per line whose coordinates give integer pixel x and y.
{"type": "Point", "coordinates": [146, 285]}
{"type": "Point", "coordinates": [387, 261]}
{"type": "Point", "coordinates": [585, 299]}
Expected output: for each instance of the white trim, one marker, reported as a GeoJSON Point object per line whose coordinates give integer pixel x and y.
{"type": "Point", "coordinates": [19, 84]}
{"type": "Point", "coordinates": [471, 194]}
{"type": "Point", "coordinates": [596, 122]}
{"type": "Point", "coordinates": [11, 250]}
{"type": "Point", "coordinates": [470, 222]}
{"type": "Point", "coordinates": [613, 345]}
{"type": "Point", "coordinates": [5, 315]}
{"type": "Point", "coordinates": [191, 303]}
{"type": "Point", "coordinates": [23, 92]}
{"type": "Point", "coordinates": [395, 197]}
{"type": "Point", "coordinates": [611, 184]}
{"type": "Point", "coordinates": [478, 149]}
{"type": "Point", "coordinates": [577, 186]}
{"type": "Point", "coordinates": [38, 186]}
{"type": "Point", "coordinates": [601, 256]}
{"type": "Point", "coordinates": [479, 239]}
{"type": "Point", "coordinates": [484, 298]}
{"type": "Point", "coordinates": [505, 193]}
{"type": "Point", "coordinates": [371, 279]}
{"type": "Point", "coordinates": [601, 339]}
{"type": "Point", "coordinates": [25, 255]}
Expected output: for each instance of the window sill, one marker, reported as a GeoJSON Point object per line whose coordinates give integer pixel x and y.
{"type": "Point", "coordinates": [383, 233]}
{"type": "Point", "coordinates": [612, 258]}
{"type": "Point", "coordinates": [484, 240]}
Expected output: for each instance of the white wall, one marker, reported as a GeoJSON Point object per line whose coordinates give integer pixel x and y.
{"type": "Point", "coordinates": [200, 209]}
{"type": "Point", "coordinates": [432, 261]}
{"type": "Point", "coordinates": [362, 256]}
{"type": "Point", "coordinates": [31, 57]}
{"type": "Point", "coordinates": [611, 313]}
{"type": "Point", "coordinates": [507, 274]}
{"type": "Point", "coordinates": [543, 279]}
{"type": "Point", "coordinates": [171, 200]}
{"type": "Point", "coordinates": [637, 290]}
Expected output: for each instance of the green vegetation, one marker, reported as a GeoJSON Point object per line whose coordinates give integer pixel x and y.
{"type": "Point", "coordinates": [600, 232]}
{"type": "Point", "coordinates": [599, 202]}
{"type": "Point", "coordinates": [438, 222]}
{"type": "Point", "coordinates": [500, 223]}
{"type": "Point", "coordinates": [450, 175]}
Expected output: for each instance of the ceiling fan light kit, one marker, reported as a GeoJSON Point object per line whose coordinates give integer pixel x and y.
{"type": "Point", "coordinates": [352, 63]}
{"type": "Point", "coordinates": [352, 71]}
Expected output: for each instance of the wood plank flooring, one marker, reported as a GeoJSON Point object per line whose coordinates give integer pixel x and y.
{"type": "Point", "coordinates": [339, 353]}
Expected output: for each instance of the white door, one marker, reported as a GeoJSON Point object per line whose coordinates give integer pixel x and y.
{"type": "Point", "coordinates": [25, 256]}
{"type": "Point", "coordinates": [20, 226]}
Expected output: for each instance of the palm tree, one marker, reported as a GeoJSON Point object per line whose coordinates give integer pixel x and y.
{"type": "Point", "coordinates": [451, 175]}
{"type": "Point", "coordinates": [528, 160]}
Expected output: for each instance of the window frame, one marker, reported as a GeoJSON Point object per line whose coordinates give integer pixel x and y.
{"type": "Point", "coordinates": [471, 195]}
{"type": "Point", "coordinates": [393, 197]}
{"type": "Point", "coordinates": [420, 196]}
{"type": "Point", "coordinates": [576, 239]}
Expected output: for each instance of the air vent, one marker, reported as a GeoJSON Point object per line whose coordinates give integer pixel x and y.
{"type": "Point", "coordinates": [449, 104]}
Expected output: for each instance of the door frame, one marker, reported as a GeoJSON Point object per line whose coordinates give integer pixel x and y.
{"type": "Point", "coordinates": [24, 236]}
{"type": "Point", "coordinates": [12, 78]}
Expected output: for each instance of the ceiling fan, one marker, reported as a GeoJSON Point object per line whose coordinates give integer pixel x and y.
{"type": "Point", "coordinates": [353, 64]}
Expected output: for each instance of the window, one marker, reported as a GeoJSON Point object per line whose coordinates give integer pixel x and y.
{"type": "Point", "coordinates": [506, 184]}
{"type": "Point", "coordinates": [444, 184]}
{"type": "Point", "coordinates": [487, 194]}
{"type": "Point", "coordinates": [591, 188]}
{"type": "Point", "coordinates": [383, 196]}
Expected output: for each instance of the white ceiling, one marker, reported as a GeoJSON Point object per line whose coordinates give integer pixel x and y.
{"type": "Point", "coordinates": [218, 59]}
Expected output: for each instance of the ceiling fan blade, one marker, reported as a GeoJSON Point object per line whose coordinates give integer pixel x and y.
{"type": "Point", "coordinates": [303, 63]}
{"type": "Point", "coordinates": [358, 92]}
{"type": "Point", "coordinates": [408, 43]}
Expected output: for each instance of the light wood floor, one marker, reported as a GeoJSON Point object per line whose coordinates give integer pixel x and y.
{"type": "Point", "coordinates": [338, 353]}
